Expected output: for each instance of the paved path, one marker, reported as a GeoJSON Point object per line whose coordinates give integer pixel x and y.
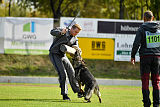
{"type": "Point", "coordinates": [54, 80]}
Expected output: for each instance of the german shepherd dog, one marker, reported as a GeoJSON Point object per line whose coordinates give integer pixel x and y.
{"type": "Point", "coordinates": [84, 77]}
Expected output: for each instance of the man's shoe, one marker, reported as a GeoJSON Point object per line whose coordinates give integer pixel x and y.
{"type": "Point", "coordinates": [80, 95]}
{"type": "Point", "coordinates": [65, 97]}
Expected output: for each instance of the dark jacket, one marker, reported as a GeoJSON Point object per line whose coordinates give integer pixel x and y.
{"type": "Point", "coordinates": [59, 39]}
{"type": "Point", "coordinates": [140, 40]}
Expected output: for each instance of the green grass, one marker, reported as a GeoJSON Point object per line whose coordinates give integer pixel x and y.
{"type": "Point", "coordinates": [47, 95]}
{"type": "Point", "coordinates": [40, 65]}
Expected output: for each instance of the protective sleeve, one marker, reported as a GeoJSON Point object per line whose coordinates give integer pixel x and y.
{"type": "Point", "coordinates": [136, 43]}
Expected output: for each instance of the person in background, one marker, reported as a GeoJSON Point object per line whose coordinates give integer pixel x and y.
{"type": "Point", "coordinates": [148, 40]}
{"type": "Point", "coordinates": [60, 60]}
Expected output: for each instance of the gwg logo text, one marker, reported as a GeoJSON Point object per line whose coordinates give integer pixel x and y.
{"type": "Point", "coordinates": [98, 45]}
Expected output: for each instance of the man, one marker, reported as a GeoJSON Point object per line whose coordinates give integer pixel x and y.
{"type": "Point", "coordinates": [61, 62]}
{"type": "Point", "coordinates": [148, 39]}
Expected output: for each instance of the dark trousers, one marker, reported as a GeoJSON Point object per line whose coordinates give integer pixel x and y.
{"type": "Point", "coordinates": [64, 69]}
{"type": "Point", "coordinates": [150, 64]}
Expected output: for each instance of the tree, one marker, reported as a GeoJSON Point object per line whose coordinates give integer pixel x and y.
{"type": "Point", "coordinates": [9, 8]}
{"type": "Point", "coordinates": [155, 8]}
{"type": "Point", "coordinates": [51, 8]}
{"type": "Point", "coordinates": [112, 9]}
{"type": "Point", "coordinates": [121, 13]}
{"type": "Point", "coordinates": [57, 13]}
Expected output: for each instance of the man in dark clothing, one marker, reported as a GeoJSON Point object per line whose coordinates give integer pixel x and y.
{"type": "Point", "coordinates": [148, 39]}
{"type": "Point", "coordinates": [60, 61]}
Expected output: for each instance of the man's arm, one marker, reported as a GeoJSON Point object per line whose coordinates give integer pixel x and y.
{"type": "Point", "coordinates": [136, 45]}
{"type": "Point", "coordinates": [58, 32]}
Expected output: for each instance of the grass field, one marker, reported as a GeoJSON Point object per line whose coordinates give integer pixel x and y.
{"type": "Point", "coordinates": [47, 95]}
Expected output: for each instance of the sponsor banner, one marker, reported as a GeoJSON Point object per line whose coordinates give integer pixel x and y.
{"type": "Point", "coordinates": [89, 25]}
{"type": "Point", "coordinates": [106, 27]}
{"type": "Point", "coordinates": [1, 27]}
{"type": "Point", "coordinates": [26, 51]}
{"type": "Point", "coordinates": [123, 48]}
{"type": "Point", "coordinates": [1, 36]}
{"type": "Point", "coordinates": [97, 48]}
{"type": "Point", "coordinates": [118, 27]}
{"type": "Point", "coordinates": [27, 35]}
{"type": "Point", "coordinates": [1, 45]}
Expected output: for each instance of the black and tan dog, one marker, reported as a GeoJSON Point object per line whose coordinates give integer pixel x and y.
{"type": "Point", "coordinates": [85, 77]}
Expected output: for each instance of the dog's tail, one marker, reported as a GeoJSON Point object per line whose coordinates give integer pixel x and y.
{"type": "Point", "coordinates": [97, 92]}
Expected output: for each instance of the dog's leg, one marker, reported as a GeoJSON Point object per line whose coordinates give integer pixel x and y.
{"type": "Point", "coordinates": [80, 86]}
{"type": "Point", "coordinates": [81, 90]}
{"type": "Point", "coordinates": [89, 94]}
{"type": "Point", "coordinates": [97, 92]}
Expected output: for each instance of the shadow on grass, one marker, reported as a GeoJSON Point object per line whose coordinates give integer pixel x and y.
{"type": "Point", "coordinates": [40, 100]}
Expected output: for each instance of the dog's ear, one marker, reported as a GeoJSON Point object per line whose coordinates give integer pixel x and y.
{"type": "Point", "coordinates": [84, 61]}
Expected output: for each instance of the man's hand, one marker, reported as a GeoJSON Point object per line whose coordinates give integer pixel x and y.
{"type": "Point", "coordinates": [133, 61]}
{"type": "Point", "coordinates": [64, 31]}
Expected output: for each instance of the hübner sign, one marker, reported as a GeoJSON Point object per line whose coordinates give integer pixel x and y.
{"type": "Point", "coordinates": [128, 28]}
{"type": "Point", "coordinates": [118, 27]}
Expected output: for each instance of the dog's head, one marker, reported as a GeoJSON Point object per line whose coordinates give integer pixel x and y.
{"type": "Point", "coordinates": [78, 60]}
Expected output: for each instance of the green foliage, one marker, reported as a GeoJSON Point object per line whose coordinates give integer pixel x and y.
{"type": "Point", "coordinates": [154, 6]}
{"type": "Point", "coordinates": [2, 12]}
{"type": "Point", "coordinates": [16, 10]}
{"type": "Point", "coordinates": [22, 65]}
{"type": "Point", "coordinates": [89, 8]}
{"type": "Point", "coordinates": [112, 69]}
